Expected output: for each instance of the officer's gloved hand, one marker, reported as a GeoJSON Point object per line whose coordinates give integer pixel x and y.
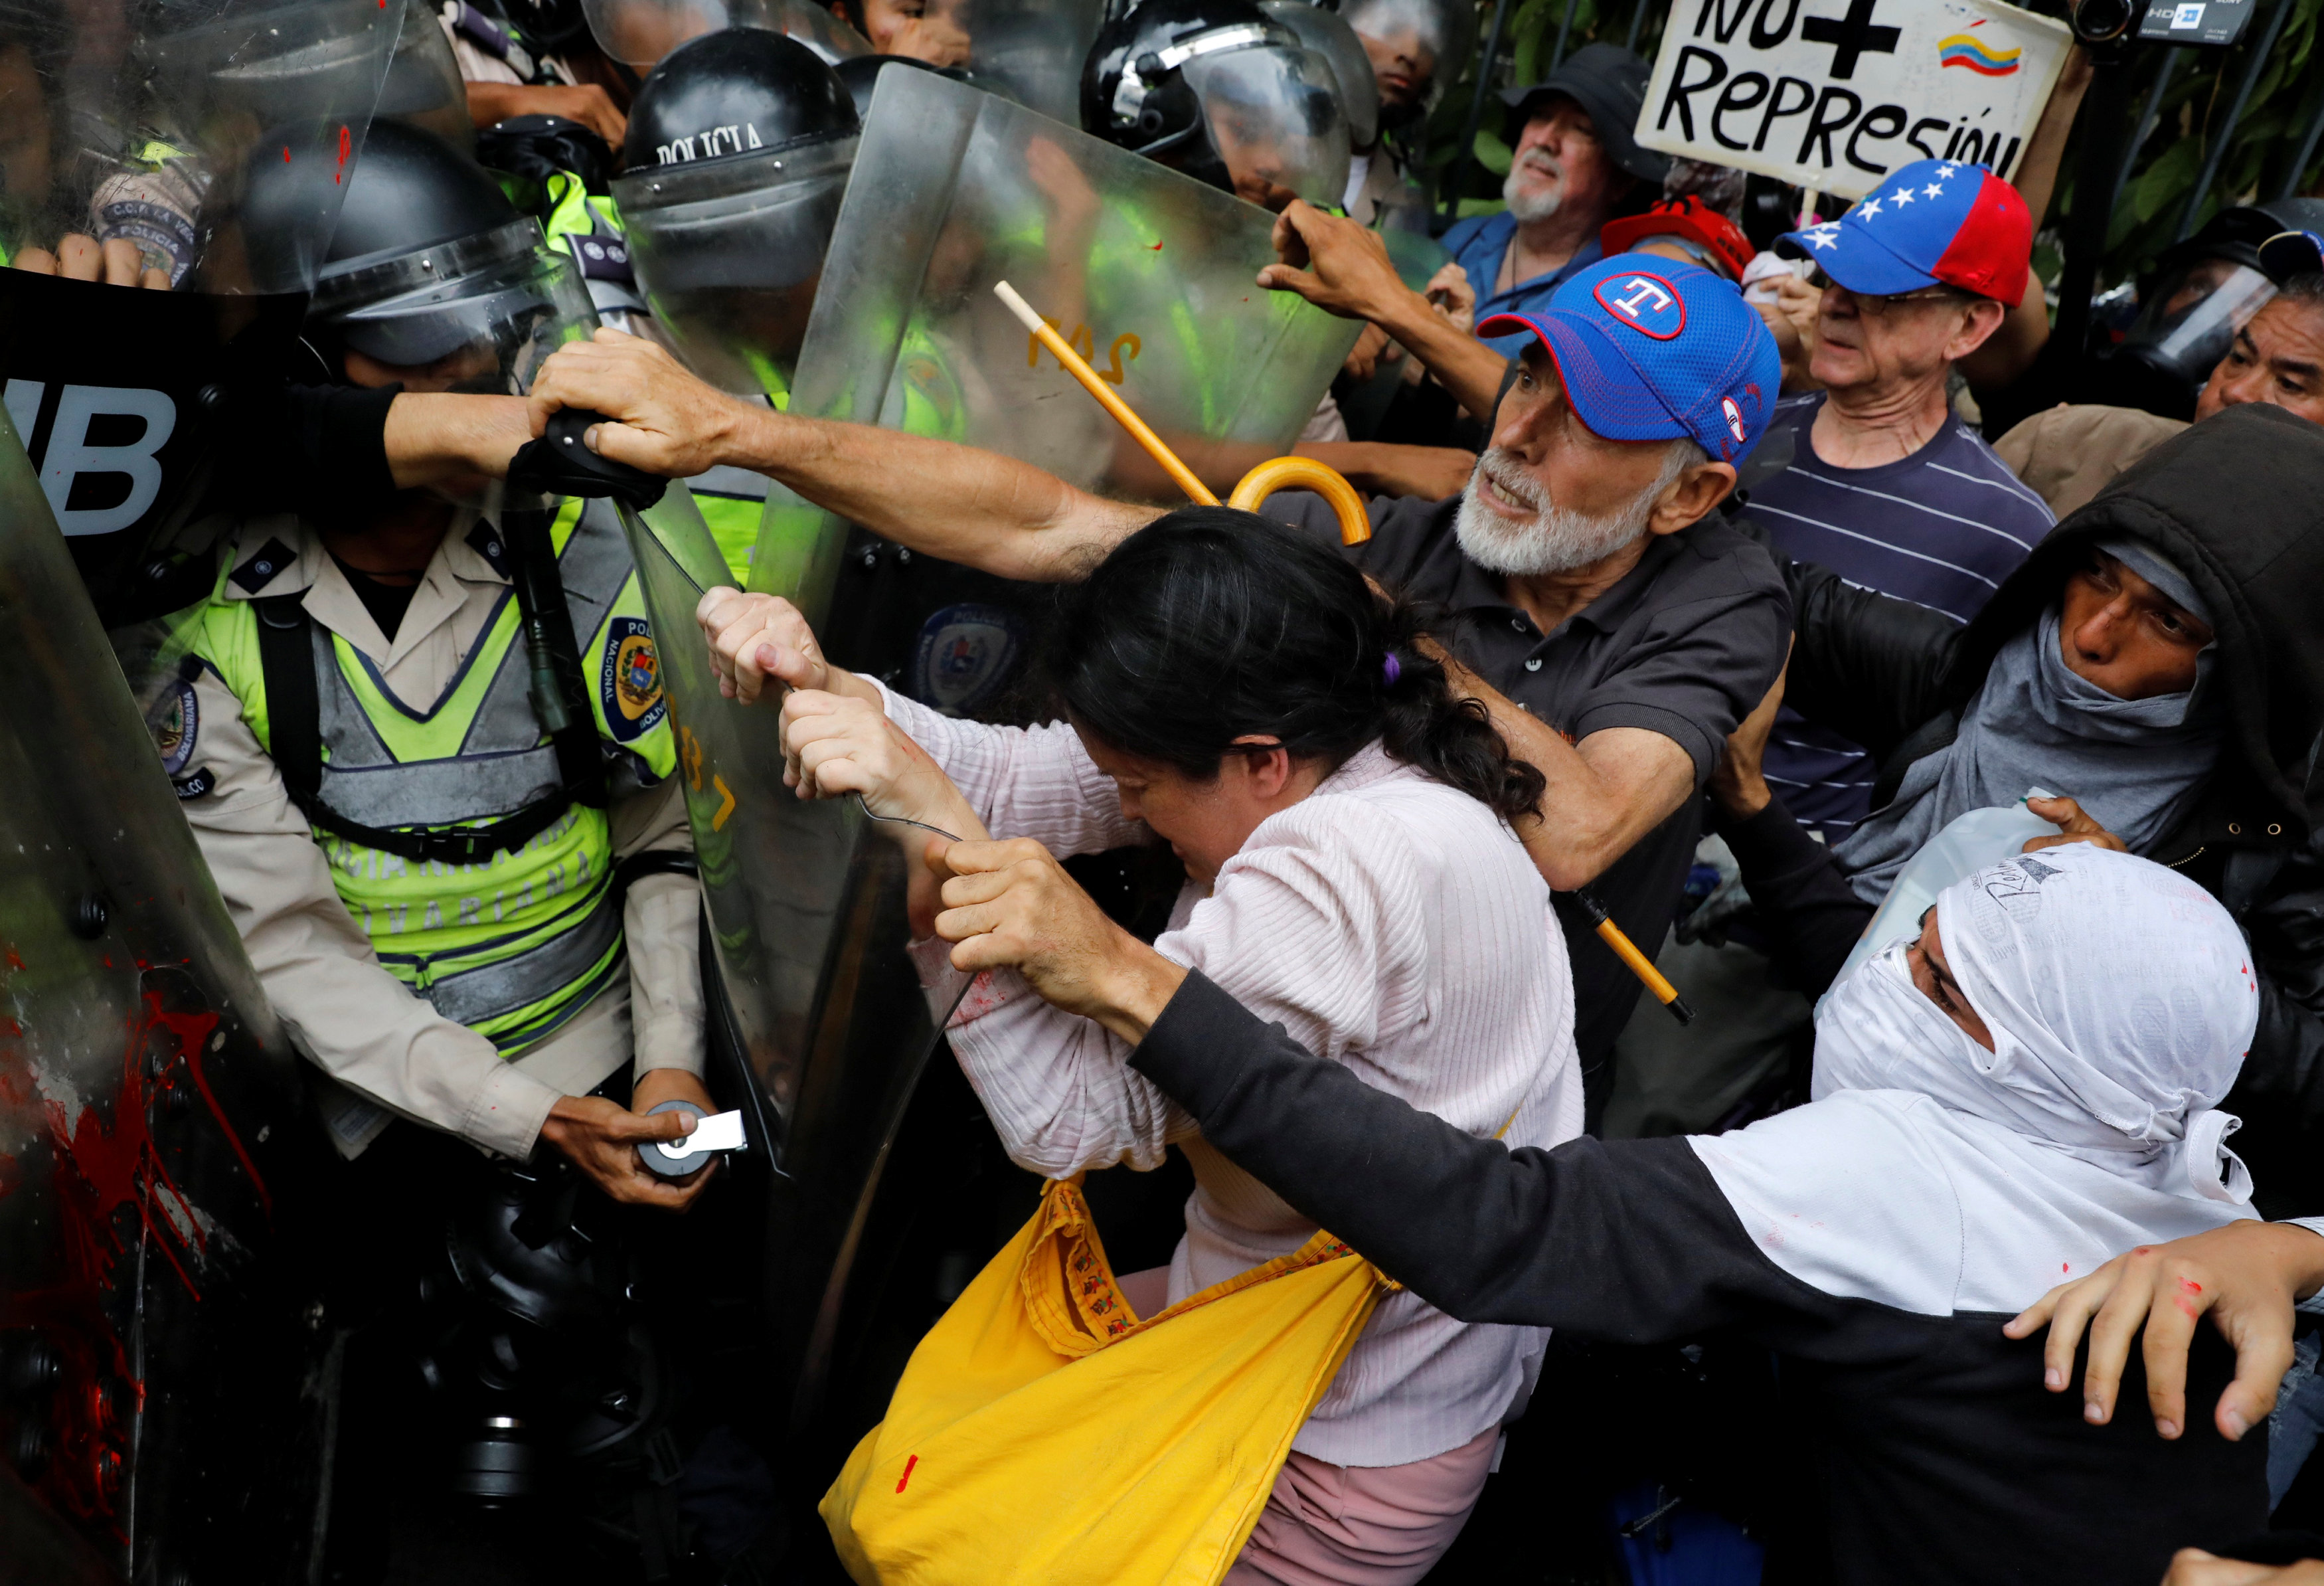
{"type": "Point", "coordinates": [665, 420]}
{"type": "Point", "coordinates": [116, 263]}
{"type": "Point", "coordinates": [601, 1137]}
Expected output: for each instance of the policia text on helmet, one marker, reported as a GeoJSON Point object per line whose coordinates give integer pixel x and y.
{"type": "Point", "coordinates": [1219, 89]}
{"type": "Point", "coordinates": [739, 148]}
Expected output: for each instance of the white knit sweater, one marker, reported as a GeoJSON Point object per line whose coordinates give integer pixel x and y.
{"type": "Point", "coordinates": [1390, 923]}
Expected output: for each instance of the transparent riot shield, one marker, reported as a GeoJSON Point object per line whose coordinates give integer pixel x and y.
{"type": "Point", "coordinates": [953, 189]}
{"type": "Point", "coordinates": [423, 84]}
{"type": "Point", "coordinates": [1148, 274]}
{"type": "Point", "coordinates": [1029, 50]}
{"type": "Point", "coordinates": [166, 1368]}
{"type": "Point", "coordinates": [127, 122]}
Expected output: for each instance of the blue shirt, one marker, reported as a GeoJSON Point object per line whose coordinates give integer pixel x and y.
{"type": "Point", "coordinates": [1478, 245]}
{"type": "Point", "coordinates": [1942, 527]}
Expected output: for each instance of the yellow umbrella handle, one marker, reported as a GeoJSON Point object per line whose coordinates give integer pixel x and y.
{"type": "Point", "coordinates": [1306, 474]}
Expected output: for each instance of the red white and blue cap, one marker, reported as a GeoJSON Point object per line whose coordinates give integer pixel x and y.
{"type": "Point", "coordinates": [1929, 222]}
{"type": "Point", "coordinates": [1650, 348]}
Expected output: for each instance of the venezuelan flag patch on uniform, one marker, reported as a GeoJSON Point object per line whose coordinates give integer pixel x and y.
{"type": "Point", "coordinates": [629, 681]}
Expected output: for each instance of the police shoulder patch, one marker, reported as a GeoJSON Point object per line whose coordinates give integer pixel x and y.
{"type": "Point", "coordinates": [629, 681]}
{"type": "Point", "coordinates": [966, 656]}
{"type": "Point", "coordinates": [176, 721]}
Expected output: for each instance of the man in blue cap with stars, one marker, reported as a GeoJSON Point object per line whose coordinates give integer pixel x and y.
{"type": "Point", "coordinates": [1885, 485]}
{"type": "Point", "coordinates": [1616, 626]}
{"type": "Point", "coordinates": [1876, 477]}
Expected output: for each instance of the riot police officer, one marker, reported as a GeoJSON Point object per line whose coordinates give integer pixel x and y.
{"type": "Point", "coordinates": [430, 890]}
{"type": "Point", "coordinates": [739, 148]}
{"type": "Point", "coordinates": [1224, 92]}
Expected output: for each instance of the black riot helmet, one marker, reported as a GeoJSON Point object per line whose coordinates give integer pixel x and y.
{"type": "Point", "coordinates": [736, 91]}
{"type": "Point", "coordinates": [1219, 89]}
{"type": "Point", "coordinates": [431, 274]}
{"type": "Point", "coordinates": [2191, 305]}
{"type": "Point", "coordinates": [739, 148]}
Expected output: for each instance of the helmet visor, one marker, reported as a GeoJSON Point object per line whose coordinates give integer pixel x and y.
{"type": "Point", "coordinates": [729, 255]}
{"type": "Point", "coordinates": [477, 315]}
{"type": "Point", "coordinates": [1328, 35]}
{"type": "Point", "coordinates": [1274, 116]}
{"type": "Point", "coordinates": [2190, 320]}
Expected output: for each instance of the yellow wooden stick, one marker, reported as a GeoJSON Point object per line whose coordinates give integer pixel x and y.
{"type": "Point", "coordinates": [1076, 367]}
{"type": "Point", "coordinates": [1276, 474]}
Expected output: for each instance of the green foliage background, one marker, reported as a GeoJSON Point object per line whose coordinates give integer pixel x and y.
{"type": "Point", "coordinates": [2284, 103]}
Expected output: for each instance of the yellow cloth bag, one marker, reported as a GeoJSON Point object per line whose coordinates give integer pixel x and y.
{"type": "Point", "coordinates": [1044, 1435]}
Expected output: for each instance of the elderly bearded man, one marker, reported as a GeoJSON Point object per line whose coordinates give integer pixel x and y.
{"type": "Point", "coordinates": [1609, 618]}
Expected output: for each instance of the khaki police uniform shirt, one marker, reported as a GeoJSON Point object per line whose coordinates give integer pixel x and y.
{"type": "Point", "coordinates": [391, 1053]}
{"type": "Point", "coordinates": [2068, 453]}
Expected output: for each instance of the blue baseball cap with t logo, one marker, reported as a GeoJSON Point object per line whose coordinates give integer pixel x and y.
{"type": "Point", "coordinates": [1650, 348]}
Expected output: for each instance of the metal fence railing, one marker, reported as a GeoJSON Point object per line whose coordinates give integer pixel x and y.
{"type": "Point", "coordinates": [2212, 127]}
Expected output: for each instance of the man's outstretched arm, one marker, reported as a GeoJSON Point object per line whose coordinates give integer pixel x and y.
{"type": "Point", "coordinates": [954, 501]}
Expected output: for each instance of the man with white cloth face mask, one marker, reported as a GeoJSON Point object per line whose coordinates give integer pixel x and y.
{"type": "Point", "coordinates": [2019, 1093]}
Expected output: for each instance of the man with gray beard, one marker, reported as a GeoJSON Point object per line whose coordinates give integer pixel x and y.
{"type": "Point", "coordinates": [1574, 166]}
{"type": "Point", "coordinates": [1597, 605]}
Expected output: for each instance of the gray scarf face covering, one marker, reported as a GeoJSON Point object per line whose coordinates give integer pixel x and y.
{"type": "Point", "coordinates": [2136, 766]}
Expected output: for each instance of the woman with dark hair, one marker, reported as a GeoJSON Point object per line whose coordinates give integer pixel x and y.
{"type": "Point", "coordinates": [1241, 692]}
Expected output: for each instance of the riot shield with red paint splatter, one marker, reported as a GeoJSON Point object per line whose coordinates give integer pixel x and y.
{"type": "Point", "coordinates": [163, 1372]}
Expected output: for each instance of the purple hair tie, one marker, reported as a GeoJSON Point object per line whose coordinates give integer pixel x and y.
{"type": "Point", "coordinates": [1391, 669]}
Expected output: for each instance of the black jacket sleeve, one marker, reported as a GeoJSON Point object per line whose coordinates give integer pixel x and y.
{"type": "Point", "coordinates": [1863, 663]}
{"type": "Point", "coordinates": [308, 449]}
{"type": "Point", "coordinates": [2280, 1093]}
{"type": "Point", "coordinates": [1807, 914]}
{"type": "Point", "coordinates": [1627, 1240]}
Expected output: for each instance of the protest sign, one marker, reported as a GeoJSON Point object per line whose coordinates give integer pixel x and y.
{"type": "Point", "coordinates": [1835, 101]}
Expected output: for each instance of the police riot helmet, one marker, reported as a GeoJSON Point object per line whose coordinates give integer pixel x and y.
{"type": "Point", "coordinates": [2198, 296]}
{"type": "Point", "coordinates": [736, 91]}
{"type": "Point", "coordinates": [1223, 92]}
{"type": "Point", "coordinates": [740, 144]}
{"type": "Point", "coordinates": [432, 272]}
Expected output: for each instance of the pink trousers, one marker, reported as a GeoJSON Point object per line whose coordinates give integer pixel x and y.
{"type": "Point", "coordinates": [1353, 1526]}
{"type": "Point", "coordinates": [1328, 1524]}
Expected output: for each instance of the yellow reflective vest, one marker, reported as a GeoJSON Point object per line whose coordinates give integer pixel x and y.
{"type": "Point", "coordinates": [514, 946]}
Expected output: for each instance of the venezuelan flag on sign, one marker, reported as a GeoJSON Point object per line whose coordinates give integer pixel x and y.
{"type": "Point", "coordinates": [1961, 50]}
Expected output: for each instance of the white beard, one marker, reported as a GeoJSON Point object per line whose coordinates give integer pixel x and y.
{"type": "Point", "coordinates": [1558, 539]}
{"type": "Point", "coordinates": [1530, 207]}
